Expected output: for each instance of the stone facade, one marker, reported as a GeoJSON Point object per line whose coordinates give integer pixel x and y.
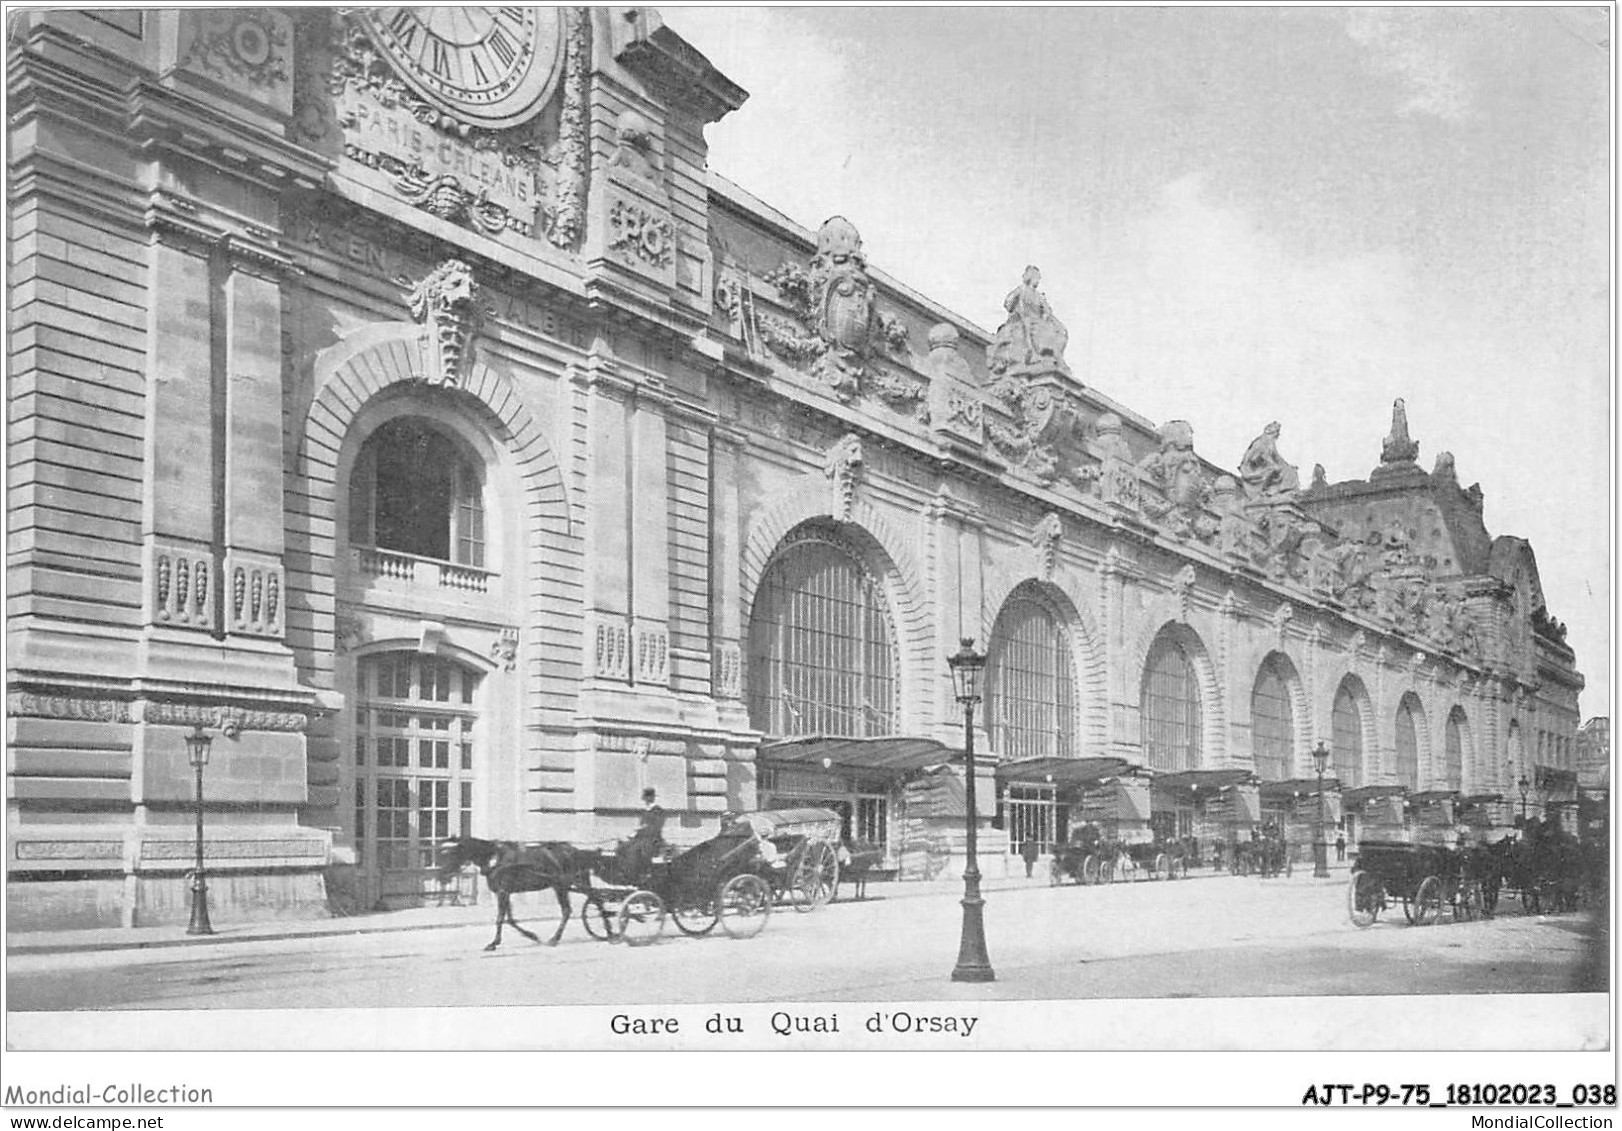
{"type": "Point", "coordinates": [458, 458]}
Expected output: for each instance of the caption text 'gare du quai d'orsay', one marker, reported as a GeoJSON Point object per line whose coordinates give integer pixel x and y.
{"type": "Point", "coordinates": [398, 395]}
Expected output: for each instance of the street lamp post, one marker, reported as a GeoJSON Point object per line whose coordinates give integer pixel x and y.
{"type": "Point", "coordinates": [197, 746]}
{"type": "Point", "coordinates": [1525, 786]}
{"type": "Point", "coordinates": [973, 964]}
{"type": "Point", "coordinates": [1320, 848]}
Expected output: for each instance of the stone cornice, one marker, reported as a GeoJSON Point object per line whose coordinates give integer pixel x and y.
{"type": "Point", "coordinates": [159, 120]}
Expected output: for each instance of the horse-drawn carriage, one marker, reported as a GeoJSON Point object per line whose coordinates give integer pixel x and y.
{"type": "Point", "coordinates": [732, 880]}
{"type": "Point", "coordinates": [1421, 878]}
{"type": "Point", "coordinates": [1544, 869]}
{"type": "Point", "coordinates": [1266, 855]}
{"type": "Point", "coordinates": [1090, 858]}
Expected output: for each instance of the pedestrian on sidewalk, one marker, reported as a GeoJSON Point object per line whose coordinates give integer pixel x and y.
{"type": "Point", "coordinates": [1029, 854]}
{"type": "Point", "coordinates": [1340, 848]}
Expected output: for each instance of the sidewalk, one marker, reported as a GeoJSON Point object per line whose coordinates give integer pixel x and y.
{"type": "Point", "coordinates": [483, 914]}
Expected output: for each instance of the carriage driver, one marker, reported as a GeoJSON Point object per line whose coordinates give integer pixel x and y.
{"type": "Point", "coordinates": [648, 841]}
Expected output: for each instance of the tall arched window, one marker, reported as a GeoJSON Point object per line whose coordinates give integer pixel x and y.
{"type": "Point", "coordinates": [1408, 742]}
{"type": "Point", "coordinates": [413, 491]}
{"type": "Point", "coordinates": [1170, 706]}
{"type": "Point", "coordinates": [413, 765]}
{"type": "Point", "coordinates": [1272, 724]}
{"type": "Point", "coordinates": [1453, 750]}
{"type": "Point", "coordinates": [821, 653]}
{"type": "Point", "coordinates": [1031, 683]}
{"type": "Point", "coordinates": [1346, 738]}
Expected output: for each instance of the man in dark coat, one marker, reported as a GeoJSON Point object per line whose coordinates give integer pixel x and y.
{"type": "Point", "coordinates": [638, 853]}
{"type": "Point", "coordinates": [1029, 854]}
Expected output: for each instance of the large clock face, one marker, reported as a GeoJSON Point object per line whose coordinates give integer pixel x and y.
{"type": "Point", "coordinates": [490, 67]}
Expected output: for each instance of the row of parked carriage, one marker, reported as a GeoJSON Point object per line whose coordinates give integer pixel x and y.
{"type": "Point", "coordinates": [1544, 870]}
{"type": "Point", "coordinates": [1091, 858]}
{"type": "Point", "coordinates": [734, 880]}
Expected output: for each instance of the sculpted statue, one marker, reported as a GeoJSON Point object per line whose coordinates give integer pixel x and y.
{"type": "Point", "coordinates": [1266, 474]}
{"type": "Point", "coordinates": [1032, 339]}
{"type": "Point", "coordinates": [1177, 471]}
{"type": "Point", "coordinates": [1110, 444]}
{"type": "Point", "coordinates": [1398, 447]}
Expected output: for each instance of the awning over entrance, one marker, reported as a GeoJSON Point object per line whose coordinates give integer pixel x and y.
{"type": "Point", "coordinates": [1432, 796]}
{"type": "Point", "coordinates": [1202, 780]}
{"type": "Point", "coordinates": [1062, 771]}
{"type": "Point", "coordinates": [1364, 793]}
{"type": "Point", "coordinates": [1296, 787]}
{"type": "Point", "coordinates": [890, 754]}
{"type": "Point", "coordinates": [1482, 799]}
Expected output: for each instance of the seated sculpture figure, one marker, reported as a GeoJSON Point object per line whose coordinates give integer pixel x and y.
{"type": "Point", "coordinates": [1264, 471]}
{"type": "Point", "coordinates": [1032, 339]}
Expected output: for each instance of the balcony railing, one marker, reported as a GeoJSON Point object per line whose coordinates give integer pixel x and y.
{"type": "Point", "coordinates": [412, 570]}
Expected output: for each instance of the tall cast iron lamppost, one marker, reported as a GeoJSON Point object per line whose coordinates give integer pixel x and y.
{"type": "Point", "coordinates": [973, 964]}
{"type": "Point", "coordinates": [1525, 786]}
{"type": "Point", "coordinates": [197, 745]}
{"type": "Point", "coordinates": [1320, 846]}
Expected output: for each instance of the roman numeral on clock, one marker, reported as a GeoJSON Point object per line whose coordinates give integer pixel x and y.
{"type": "Point", "coordinates": [404, 27]}
{"type": "Point", "coordinates": [439, 59]}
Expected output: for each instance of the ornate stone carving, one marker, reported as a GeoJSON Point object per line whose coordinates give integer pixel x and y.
{"type": "Point", "coordinates": [1048, 435]}
{"type": "Point", "coordinates": [842, 466]}
{"type": "Point", "coordinates": [652, 655]}
{"type": "Point", "coordinates": [32, 704]}
{"type": "Point", "coordinates": [1267, 477]}
{"type": "Point", "coordinates": [611, 652]}
{"type": "Point", "coordinates": [634, 154]}
{"type": "Point", "coordinates": [640, 234]}
{"type": "Point", "coordinates": [954, 400]}
{"type": "Point", "coordinates": [1115, 479]}
{"type": "Point", "coordinates": [1320, 478]}
{"type": "Point", "coordinates": [1280, 621]}
{"type": "Point", "coordinates": [1397, 451]}
{"type": "Point", "coordinates": [842, 334]}
{"type": "Point", "coordinates": [448, 198]}
{"type": "Point", "coordinates": [70, 849]}
{"type": "Point", "coordinates": [446, 303]}
{"type": "Point", "coordinates": [181, 593]}
{"type": "Point", "coordinates": [249, 44]}
{"type": "Point", "coordinates": [1045, 536]}
{"type": "Point", "coordinates": [728, 671]}
{"type": "Point", "coordinates": [256, 594]}
{"type": "Point", "coordinates": [569, 158]}
{"type": "Point", "coordinates": [1181, 485]}
{"type": "Point", "coordinates": [1032, 340]}
{"type": "Point", "coordinates": [504, 649]}
{"type": "Point", "coordinates": [229, 719]}
{"type": "Point", "coordinates": [1182, 587]}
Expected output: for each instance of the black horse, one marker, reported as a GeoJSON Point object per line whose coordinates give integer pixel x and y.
{"type": "Point", "coordinates": [509, 867]}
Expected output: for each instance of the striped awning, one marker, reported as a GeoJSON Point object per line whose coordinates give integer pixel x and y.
{"type": "Point", "coordinates": [1062, 771]}
{"type": "Point", "coordinates": [896, 754]}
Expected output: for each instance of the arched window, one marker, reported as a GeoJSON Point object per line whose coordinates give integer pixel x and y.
{"type": "Point", "coordinates": [412, 491]}
{"type": "Point", "coordinates": [1408, 742]}
{"type": "Point", "coordinates": [1346, 738]}
{"type": "Point", "coordinates": [821, 655]}
{"type": "Point", "coordinates": [1170, 706]}
{"type": "Point", "coordinates": [413, 765]}
{"type": "Point", "coordinates": [1453, 750]}
{"type": "Point", "coordinates": [1272, 725]}
{"type": "Point", "coordinates": [1031, 683]}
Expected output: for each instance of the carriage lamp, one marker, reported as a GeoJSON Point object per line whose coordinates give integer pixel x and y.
{"type": "Point", "coordinates": [1320, 845]}
{"type": "Point", "coordinates": [1525, 786]}
{"type": "Point", "coordinates": [197, 747]}
{"type": "Point", "coordinates": [973, 964]}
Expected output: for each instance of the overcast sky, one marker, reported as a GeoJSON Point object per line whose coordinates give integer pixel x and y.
{"type": "Point", "coordinates": [1242, 215]}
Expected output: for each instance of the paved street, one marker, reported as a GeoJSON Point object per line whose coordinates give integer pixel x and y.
{"type": "Point", "coordinates": [1201, 938]}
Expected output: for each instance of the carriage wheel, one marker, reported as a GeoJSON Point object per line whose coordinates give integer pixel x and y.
{"type": "Point", "coordinates": [641, 918]}
{"type": "Point", "coordinates": [1178, 869]}
{"type": "Point", "coordinates": [1428, 901]}
{"type": "Point", "coordinates": [815, 878]}
{"type": "Point", "coordinates": [1089, 869]}
{"type": "Point", "coordinates": [745, 902]}
{"type": "Point", "coordinates": [695, 918]}
{"type": "Point", "coordinates": [1106, 870]}
{"type": "Point", "coordinates": [593, 916]}
{"type": "Point", "coordinates": [1160, 867]}
{"type": "Point", "coordinates": [1467, 902]}
{"type": "Point", "coordinates": [1364, 898]}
